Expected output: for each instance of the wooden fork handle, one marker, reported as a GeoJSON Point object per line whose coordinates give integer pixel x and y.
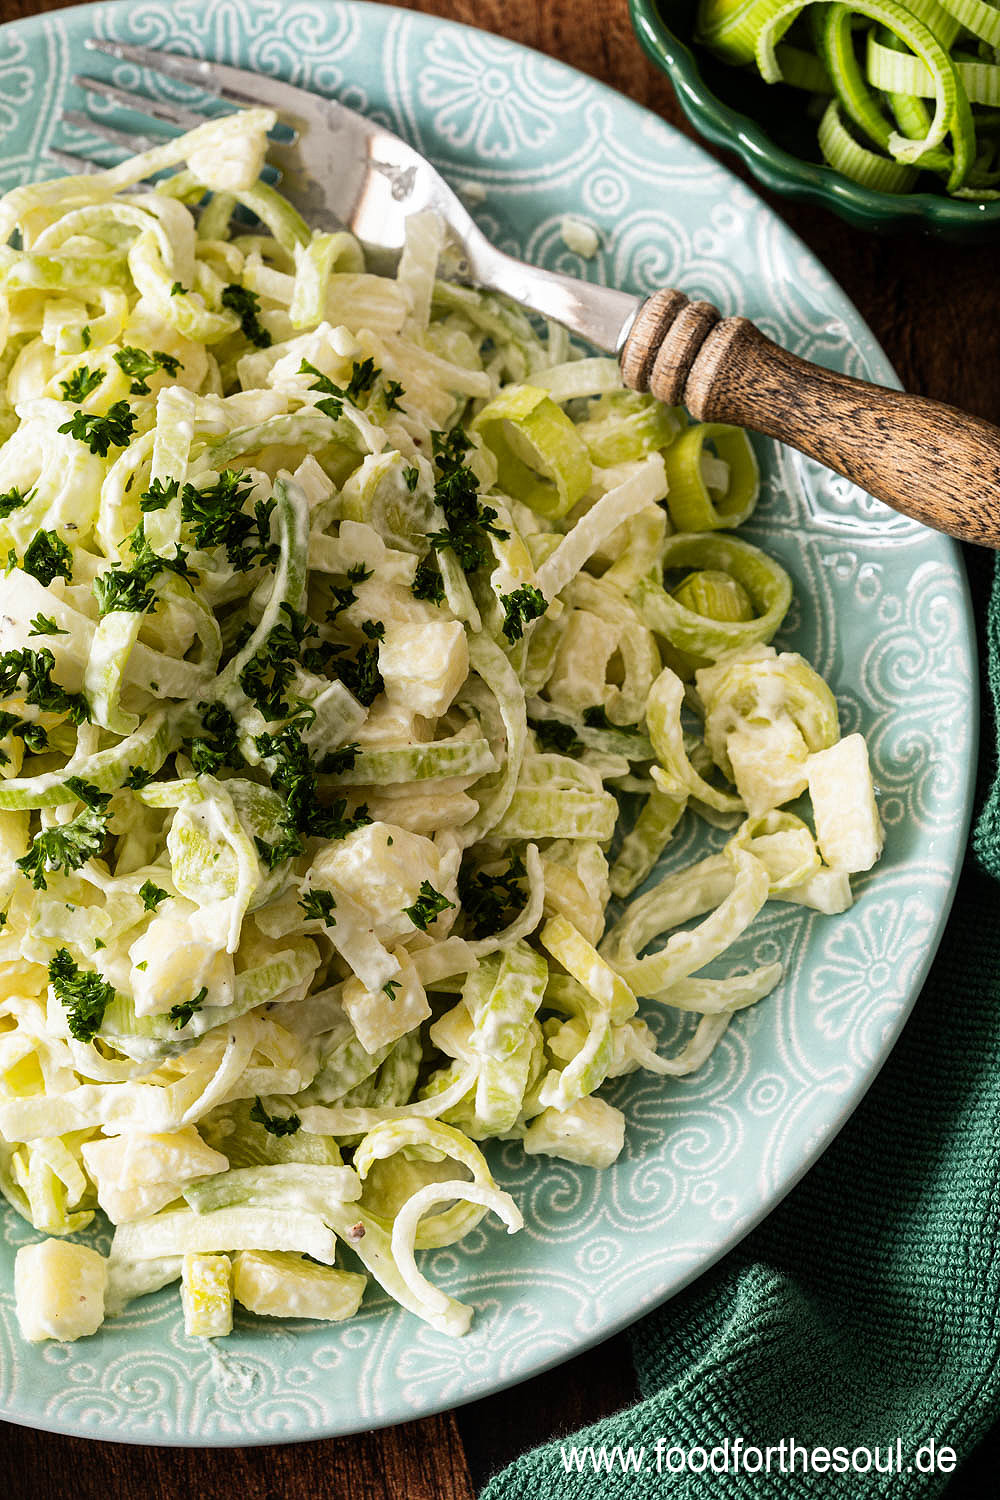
{"type": "Point", "coordinates": [932, 462]}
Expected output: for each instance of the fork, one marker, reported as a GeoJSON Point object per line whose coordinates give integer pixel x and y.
{"type": "Point", "coordinates": [930, 461]}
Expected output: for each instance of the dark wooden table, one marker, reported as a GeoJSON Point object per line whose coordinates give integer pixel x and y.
{"type": "Point", "coordinates": [936, 311]}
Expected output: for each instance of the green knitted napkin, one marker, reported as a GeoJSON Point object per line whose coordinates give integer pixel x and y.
{"type": "Point", "coordinates": [865, 1310]}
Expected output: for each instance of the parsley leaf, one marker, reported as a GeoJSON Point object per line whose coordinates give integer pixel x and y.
{"type": "Point", "coordinates": [65, 847]}
{"type": "Point", "coordinates": [45, 625]}
{"type": "Point", "coordinates": [34, 736]}
{"type": "Point", "coordinates": [319, 906]}
{"type": "Point", "coordinates": [246, 305]}
{"type": "Point", "coordinates": [597, 718]}
{"type": "Point", "coordinates": [178, 289]}
{"type": "Point", "coordinates": [392, 390]}
{"type": "Point", "coordinates": [274, 1124]}
{"type": "Point", "coordinates": [181, 1014]}
{"type": "Point", "coordinates": [520, 608]}
{"type": "Point", "coordinates": [363, 378]}
{"type": "Point", "coordinates": [116, 590]}
{"type": "Point", "coordinates": [129, 589]}
{"type": "Point", "coordinates": [152, 895]}
{"type": "Point", "coordinates": [267, 674]}
{"type": "Point", "coordinates": [80, 384]}
{"type": "Point", "coordinates": [390, 987]}
{"type": "Point", "coordinates": [456, 490]}
{"type": "Point", "coordinates": [13, 500]}
{"type": "Point", "coordinates": [207, 755]}
{"type": "Point", "coordinates": [411, 478]}
{"type": "Point", "coordinates": [427, 582]}
{"type": "Point", "coordinates": [46, 557]}
{"type": "Point", "coordinates": [294, 773]}
{"type": "Point", "coordinates": [159, 494]}
{"type": "Point", "coordinates": [85, 338]}
{"type": "Point", "coordinates": [360, 674]}
{"type": "Point", "coordinates": [554, 735]}
{"type": "Point", "coordinates": [113, 430]}
{"type": "Point", "coordinates": [140, 365]}
{"type": "Point", "coordinates": [490, 902]}
{"type": "Point", "coordinates": [88, 793]}
{"type": "Point", "coordinates": [219, 519]}
{"type": "Point", "coordinates": [84, 995]}
{"type": "Point", "coordinates": [36, 668]}
{"type": "Point", "coordinates": [427, 906]}
{"type": "Point", "coordinates": [336, 761]}
{"type": "Point", "coordinates": [138, 777]}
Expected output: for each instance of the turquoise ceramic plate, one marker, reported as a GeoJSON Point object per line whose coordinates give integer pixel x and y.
{"type": "Point", "coordinates": [881, 609]}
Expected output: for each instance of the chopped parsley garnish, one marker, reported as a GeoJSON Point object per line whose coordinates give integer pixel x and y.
{"type": "Point", "coordinates": [181, 1014]}
{"type": "Point", "coordinates": [337, 761]}
{"type": "Point", "coordinates": [34, 736]}
{"type": "Point", "coordinates": [113, 430]}
{"type": "Point", "coordinates": [220, 520]}
{"type": "Point", "coordinates": [152, 895]}
{"type": "Point", "coordinates": [392, 391]}
{"type": "Point", "coordinates": [129, 589]}
{"type": "Point", "coordinates": [428, 905]}
{"type": "Point", "coordinates": [80, 384]}
{"type": "Point", "coordinates": [13, 500]}
{"type": "Point", "coordinates": [597, 718]}
{"type": "Point", "coordinates": [46, 557]}
{"type": "Point", "coordinates": [343, 594]}
{"type": "Point", "coordinates": [45, 625]}
{"type": "Point", "coordinates": [411, 477]}
{"type": "Point", "coordinates": [274, 1124]}
{"type": "Point", "coordinates": [159, 494]}
{"type": "Point", "coordinates": [116, 590]}
{"type": "Point", "coordinates": [358, 573]}
{"type": "Point", "coordinates": [456, 490]}
{"type": "Point", "coordinates": [490, 902]}
{"type": "Point", "coordinates": [246, 305]}
{"type": "Point", "coordinates": [207, 755]}
{"type": "Point", "coordinates": [178, 289]}
{"type": "Point", "coordinates": [140, 365]}
{"type": "Point", "coordinates": [554, 735]}
{"type": "Point", "coordinates": [85, 339]}
{"type": "Point", "coordinates": [319, 906]}
{"type": "Point", "coordinates": [363, 377]}
{"type": "Point", "coordinates": [360, 674]}
{"type": "Point", "coordinates": [266, 676]}
{"type": "Point", "coordinates": [520, 608]}
{"type": "Point", "coordinates": [390, 987]}
{"type": "Point", "coordinates": [65, 847]}
{"type": "Point", "coordinates": [427, 582]}
{"type": "Point", "coordinates": [138, 777]}
{"type": "Point", "coordinates": [294, 773]}
{"type": "Point", "coordinates": [88, 792]}
{"type": "Point", "coordinates": [83, 994]}
{"type": "Point", "coordinates": [36, 668]}
{"type": "Point", "coordinates": [373, 629]}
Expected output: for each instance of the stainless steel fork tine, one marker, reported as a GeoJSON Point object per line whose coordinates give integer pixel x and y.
{"type": "Point", "coordinates": [157, 109]}
{"type": "Point", "coordinates": [130, 143]}
{"type": "Point", "coordinates": [225, 82]}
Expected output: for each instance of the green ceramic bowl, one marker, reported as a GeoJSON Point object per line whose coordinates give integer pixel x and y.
{"type": "Point", "coordinates": [736, 109]}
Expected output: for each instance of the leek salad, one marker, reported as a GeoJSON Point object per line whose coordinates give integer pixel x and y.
{"type": "Point", "coordinates": [338, 610]}
{"type": "Point", "coordinates": [899, 87]}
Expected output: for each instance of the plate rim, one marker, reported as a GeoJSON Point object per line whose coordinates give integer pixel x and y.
{"type": "Point", "coordinates": [881, 368]}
